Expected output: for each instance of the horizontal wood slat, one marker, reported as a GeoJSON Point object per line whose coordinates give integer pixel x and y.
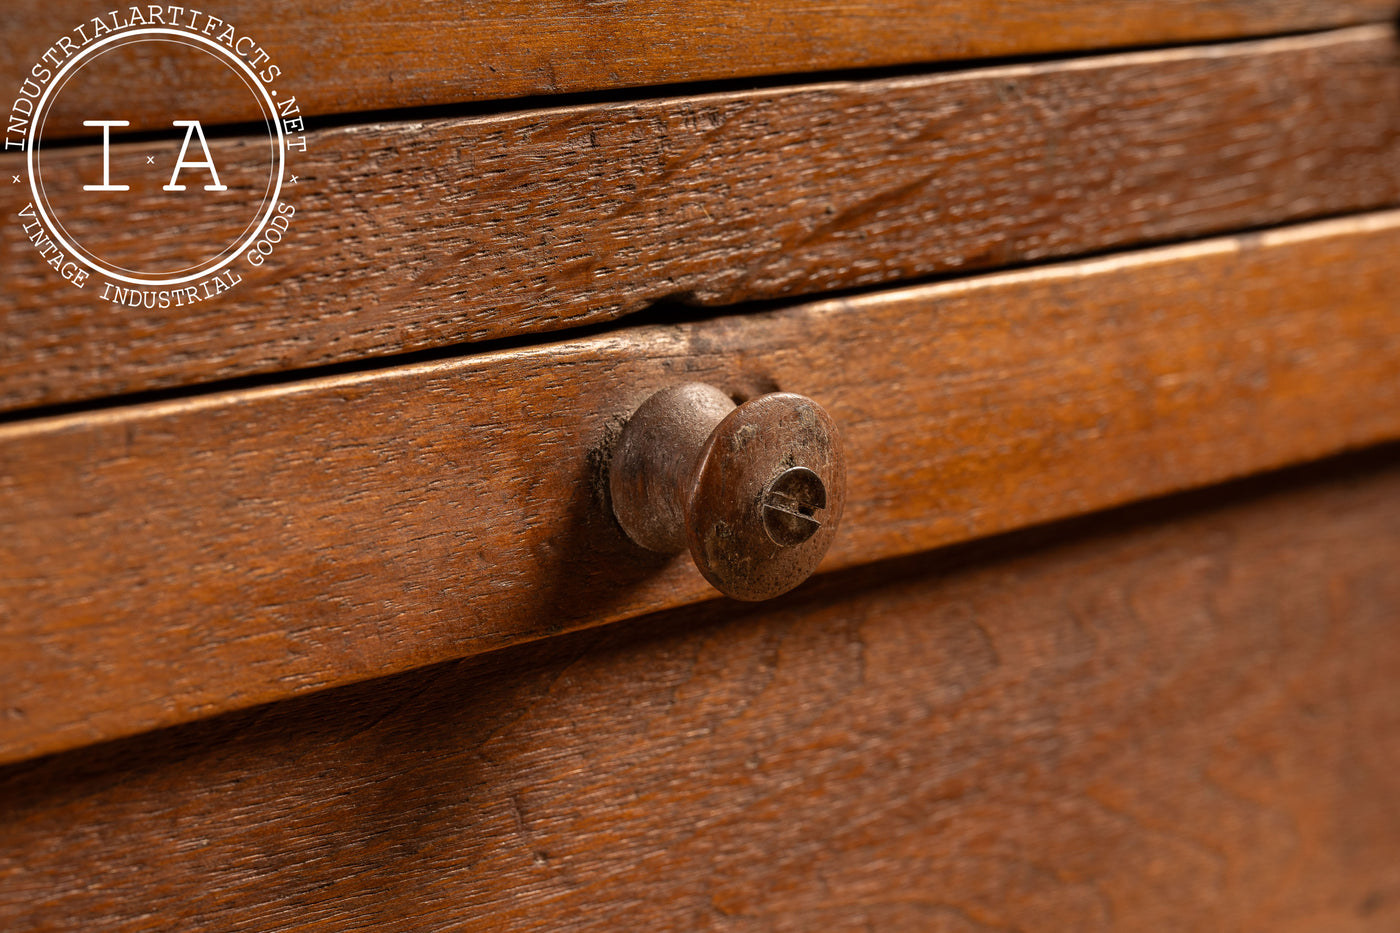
{"type": "Point", "coordinates": [173, 560]}
{"type": "Point", "coordinates": [416, 236]}
{"type": "Point", "coordinates": [1183, 725]}
{"type": "Point", "coordinates": [371, 54]}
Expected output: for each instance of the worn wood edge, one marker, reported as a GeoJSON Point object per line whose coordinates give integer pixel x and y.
{"type": "Point", "coordinates": [1314, 124]}
{"type": "Point", "coordinates": [364, 58]}
{"type": "Point", "coordinates": [183, 558]}
{"type": "Point", "coordinates": [1193, 690]}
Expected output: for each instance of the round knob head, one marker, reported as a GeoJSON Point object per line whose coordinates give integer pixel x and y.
{"type": "Point", "coordinates": [766, 497]}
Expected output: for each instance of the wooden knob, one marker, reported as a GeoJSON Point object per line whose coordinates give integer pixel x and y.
{"type": "Point", "coordinates": [755, 492]}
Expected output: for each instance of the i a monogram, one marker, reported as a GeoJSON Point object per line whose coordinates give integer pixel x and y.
{"type": "Point", "coordinates": [192, 129]}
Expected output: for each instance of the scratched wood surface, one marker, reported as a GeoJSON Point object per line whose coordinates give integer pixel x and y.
{"type": "Point", "coordinates": [1185, 720]}
{"type": "Point", "coordinates": [172, 560]}
{"type": "Point", "coordinates": [409, 236]}
{"type": "Point", "coordinates": [376, 54]}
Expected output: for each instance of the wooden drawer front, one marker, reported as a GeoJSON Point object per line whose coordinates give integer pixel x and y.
{"type": "Point", "coordinates": [368, 55]}
{"type": "Point", "coordinates": [422, 235]}
{"type": "Point", "coordinates": [1177, 725]}
{"type": "Point", "coordinates": [174, 560]}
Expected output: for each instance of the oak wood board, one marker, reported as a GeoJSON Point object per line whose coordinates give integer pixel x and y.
{"type": "Point", "coordinates": [416, 236]}
{"type": "Point", "coordinates": [170, 561]}
{"type": "Point", "coordinates": [1186, 721]}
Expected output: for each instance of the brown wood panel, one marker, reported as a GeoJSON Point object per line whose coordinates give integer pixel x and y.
{"type": "Point", "coordinates": [172, 560]}
{"type": "Point", "coordinates": [1181, 724]}
{"type": "Point", "coordinates": [414, 236]}
{"type": "Point", "coordinates": [374, 54]}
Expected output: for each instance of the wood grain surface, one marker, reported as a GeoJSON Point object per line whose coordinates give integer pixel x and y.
{"type": "Point", "coordinates": [169, 561]}
{"type": "Point", "coordinates": [376, 54]}
{"type": "Point", "coordinates": [1191, 722]}
{"type": "Point", "coordinates": [410, 236]}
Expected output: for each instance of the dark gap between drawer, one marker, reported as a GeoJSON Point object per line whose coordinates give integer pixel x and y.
{"type": "Point", "coordinates": [672, 312]}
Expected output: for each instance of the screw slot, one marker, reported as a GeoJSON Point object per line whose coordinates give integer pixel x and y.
{"type": "Point", "coordinates": [790, 504]}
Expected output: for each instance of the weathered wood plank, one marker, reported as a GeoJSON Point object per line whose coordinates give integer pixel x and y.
{"type": "Point", "coordinates": [415, 236]}
{"type": "Point", "coordinates": [1186, 724]}
{"type": "Point", "coordinates": [373, 54]}
{"type": "Point", "coordinates": [169, 561]}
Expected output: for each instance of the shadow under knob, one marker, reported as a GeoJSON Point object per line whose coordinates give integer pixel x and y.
{"type": "Point", "coordinates": [754, 492]}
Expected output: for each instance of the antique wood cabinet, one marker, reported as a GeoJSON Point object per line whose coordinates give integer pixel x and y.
{"type": "Point", "coordinates": [314, 609]}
